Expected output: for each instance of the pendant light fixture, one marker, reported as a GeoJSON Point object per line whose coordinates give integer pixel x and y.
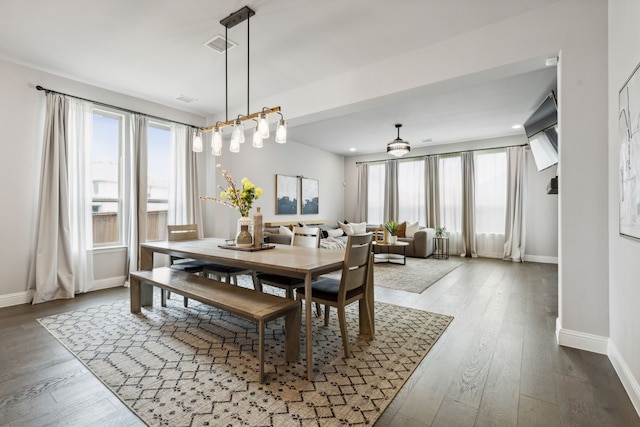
{"type": "Point", "coordinates": [398, 147]}
{"type": "Point", "coordinates": [261, 130]}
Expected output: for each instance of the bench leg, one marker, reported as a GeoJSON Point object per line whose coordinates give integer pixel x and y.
{"type": "Point", "coordinates": [163, 297]}
{"type": "Point", "coordinates": [292, 334]}
{"type": "Point", "coordinates": [261, 349]}
{"type": "Point", "coordinates": [135, 294]}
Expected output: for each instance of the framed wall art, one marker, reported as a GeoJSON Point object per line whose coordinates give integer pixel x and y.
{"type": "Point", "coordinates": [310, 196]}
{"type": "Point", "coordinates": [629, 156]}
{"type": "Point", "coordinates": [286, 195]}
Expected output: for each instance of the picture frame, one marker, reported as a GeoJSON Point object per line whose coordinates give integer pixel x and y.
{"type": "Point", "coordinates": [286, 195]}
{"type": "Point", "coordinates": [629, 156]}
{"type": "Point", "coordinates": [310, 196]}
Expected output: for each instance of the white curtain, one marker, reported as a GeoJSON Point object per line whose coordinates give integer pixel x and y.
{"type": "Point", "coordinates": [361, 201]}
{"type": "Point", "coordinates": [468, 207]}
{"type": "Point", "coordinates": [62, 263]}
{"type": "Point", "coordinates": [432, 192]}
{"type": "Point", "coordinates": [391, 191]}
{"type": "Point", "coordinates": [514, 227]}
{"type": "Point", "coordinates": [490, 201]}
{"type": "Point", "coordinates": [136, 193]}
{"type": "Point", "coordinates": [376, 189]}
{"type": "Point", "coordinates": [184, 197]}
{"type": "Point", "coordinates": [450, 192]}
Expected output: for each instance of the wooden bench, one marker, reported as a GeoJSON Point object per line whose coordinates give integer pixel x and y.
{"type": "Point", "coordinates": [243, 302]}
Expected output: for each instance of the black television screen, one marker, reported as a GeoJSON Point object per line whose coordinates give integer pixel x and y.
{"type": "Point", "coordinates": [542, 131]}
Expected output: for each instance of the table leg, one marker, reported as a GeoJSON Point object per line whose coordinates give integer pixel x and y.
{"type": "Point", "coordinates": [308, 318]}
{"type": "Point", "coordinates": [146, 291]}
{"type": "Point", "coordinates": [134, 285]}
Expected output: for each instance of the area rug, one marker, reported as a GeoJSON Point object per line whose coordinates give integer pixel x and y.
{"type": "Point", "coordinates": [416, 276]}
{"type": "Point", "coordinates": [191, 366]}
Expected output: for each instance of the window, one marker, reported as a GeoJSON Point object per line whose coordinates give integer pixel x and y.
{"type": "Point", "coordinates": [490, 191]}
{"type": "Point", "coordinates": [158, 167]}
{"type": "Point", "coordinates": [411, 191]}
{"type": "Point", "coordinates": [375, 193]}
{"type": "Point", "coordinates": [107, 138]}
{"type": "Point", "coordinates": [450, 177]}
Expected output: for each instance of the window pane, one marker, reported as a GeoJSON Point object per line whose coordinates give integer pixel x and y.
{"type": "Point", "coordinates": [105, 174]}
{"type": "Point", "coordinates": [375, 194]}
{"type": "Point", "coordinates": [411, 191]}
{"type": "Point", "coordinates": [450, 176]}
{"type": "Point", "coordinates": [158, 167]}
{"type": "Point", "coordinates": [491, 191]}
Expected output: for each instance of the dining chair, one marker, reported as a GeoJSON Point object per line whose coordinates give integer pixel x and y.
{"type": "Point", "coordinates": [351, 287]}
{"type": "Point", "coordinates": [304, 237]}
{"type": "Point", "coordinates": [218, 271]}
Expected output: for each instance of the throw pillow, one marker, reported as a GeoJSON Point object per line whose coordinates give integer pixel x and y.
{"type": "Point", "coordinates": [358, 228]}
{"type": "Point", "coordinates": [412, 227]}
{"type": "Point", "coordinates": [337, 232]}
{"type": "Point", "coordinates": [346, 228]}
{"type": "Point", "coordinates": [285, 230]}
{"type": "Point", "coordinates": [402, 229]}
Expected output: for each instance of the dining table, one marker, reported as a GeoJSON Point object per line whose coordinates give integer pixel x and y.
{"type": "Point", "coordinates": [291, 261]}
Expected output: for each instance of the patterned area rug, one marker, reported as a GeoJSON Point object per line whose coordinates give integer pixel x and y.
{"type": "Point", "coordinates": [416, 276]}
{"type": "Point", "coordinates": [199, 366]}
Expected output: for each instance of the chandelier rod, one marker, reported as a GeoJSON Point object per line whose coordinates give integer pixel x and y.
{"type": "Point", "coordinates": [242, 118]}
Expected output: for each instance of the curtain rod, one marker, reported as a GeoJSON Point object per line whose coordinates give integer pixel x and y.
{"type": "Point", "coordinates": [441, 154]}
{"type": "Point", "coordinates": [126, 110]}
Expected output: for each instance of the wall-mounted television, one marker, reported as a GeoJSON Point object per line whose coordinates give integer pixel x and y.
{"type": "Point", "coordinates": [542, 131]}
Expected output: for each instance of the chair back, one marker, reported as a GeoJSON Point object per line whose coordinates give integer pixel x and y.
{"type": "Point", "coordinates": [306, 236]}
{"type": "Point", "coordinates": [182, 232]}
{"type": "Point", "coordinates": [356, 263]}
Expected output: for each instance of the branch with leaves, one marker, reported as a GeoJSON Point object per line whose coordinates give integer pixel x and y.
{"type": "Point", "coordinates": [240, 199]}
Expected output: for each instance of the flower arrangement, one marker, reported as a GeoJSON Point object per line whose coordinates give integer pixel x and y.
{"type": "Point", "coordinates": [234, 197]}
{"type": "Point", "coordinates": [440, 231]}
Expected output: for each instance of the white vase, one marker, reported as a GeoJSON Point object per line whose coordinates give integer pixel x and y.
{"type": "Point", "coordinates": [244, 238]}
{"type": "Point", "coordinates": [392, 240]}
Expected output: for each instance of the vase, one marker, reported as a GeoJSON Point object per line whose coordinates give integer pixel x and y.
{"type": "Point", "coordinates": [258, 236]}
{"type": "Point", "coordinates": [244, 238]}
{"type": "Point", "coordinates": [393, 240]}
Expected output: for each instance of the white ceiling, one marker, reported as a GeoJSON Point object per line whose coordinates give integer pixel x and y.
{"type": "Point", "coordinates": [153, 49]}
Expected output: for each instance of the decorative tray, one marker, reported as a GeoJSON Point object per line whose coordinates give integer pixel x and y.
{"type": "Point", "coordinates": [251, 249]}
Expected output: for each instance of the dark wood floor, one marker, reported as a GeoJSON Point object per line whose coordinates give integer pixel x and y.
{"type": "Point", "coordinates": [497, 364]}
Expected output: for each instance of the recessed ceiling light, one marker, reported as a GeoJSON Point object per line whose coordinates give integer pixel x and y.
{"type": "Point", "coordinates": [516, 126]}
{"type": "Point", "coordinates": [352, 149]}
{"type": "Point", "coordinates": [427, 140]}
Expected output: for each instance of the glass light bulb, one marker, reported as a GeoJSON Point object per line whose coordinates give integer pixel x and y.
{"type": "Point", "coordinates": [197, 142]}
{"type": "Point", "coordinates": [238, 131]}
{"type": "Point", "coordinates": [216, 142]}
{"type": "Point", "coordinates": [281, 132]}
{"type": "Point", "coordinates": [263, 126]}
{"type": "Point", "coordinates": [257, 138]}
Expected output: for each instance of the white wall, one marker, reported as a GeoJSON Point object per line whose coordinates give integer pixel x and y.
{"type": "Point", "coordinates": [624, 253]}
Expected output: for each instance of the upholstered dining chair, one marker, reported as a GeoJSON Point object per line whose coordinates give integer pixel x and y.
{"type": "Point", "coordinates": [302, 236]}
{"type": "Point", "coordinates": [190, 232]}
{"type": "Point", "coordinates": [351, 287]}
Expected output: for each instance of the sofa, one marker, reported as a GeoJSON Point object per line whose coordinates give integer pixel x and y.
{"type": "Point", "coordinates": [420, 245]}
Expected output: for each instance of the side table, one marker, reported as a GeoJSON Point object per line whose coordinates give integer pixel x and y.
{"type": "Point", "coordinates": [390, 257]}
{"type": "Point", "coordinates": [441, 247]}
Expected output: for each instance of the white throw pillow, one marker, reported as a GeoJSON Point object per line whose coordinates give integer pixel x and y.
{"type": "Point", "coordinates": [358, 228]}
{"type": "Point", "coordinates": [412, 227]}
{"type": "Point", "coordinates": [337, 232]}
{"type": "Point", "coordinates": [285, 230]}
{"type": "Point", "coordinates": [346, 228]}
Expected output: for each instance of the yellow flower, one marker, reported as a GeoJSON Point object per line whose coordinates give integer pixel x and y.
{"type": "Point", "coordinates": [249, 185]}
{"type": "Point", "coordinates": [258, 192]}
{"type": "Point", "coordinates": [223, 194]}
{"type": "Point", "coordinates": [244, 180]}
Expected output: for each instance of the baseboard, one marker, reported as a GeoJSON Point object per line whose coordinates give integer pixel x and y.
{"type": "Point", "coordinates": [16, 299]}
{"type": "Point", "coordinates": [581, 340]}
{"type": "Point", "coordinates": [629, 383]}
{"type": "Point", "coordinates": [111, 282]}
{"type": "Point", "coordinates": [541, 259]}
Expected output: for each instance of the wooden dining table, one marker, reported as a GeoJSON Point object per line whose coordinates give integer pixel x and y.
{"type": "Point", "coordinates": [292, 261]}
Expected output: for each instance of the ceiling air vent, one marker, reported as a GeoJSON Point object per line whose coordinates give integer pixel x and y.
{"type": "Point", "coordinates": [218, 44]}
{"type": "Point", "coordinates": [185, 98]}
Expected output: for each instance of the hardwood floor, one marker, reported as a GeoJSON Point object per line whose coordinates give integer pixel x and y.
{"type": "Point", "coordinates": [497, 364]}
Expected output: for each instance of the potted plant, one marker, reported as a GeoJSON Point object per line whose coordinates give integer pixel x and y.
{"type": "Point", "coordinates": [440, 231]}
{"type": "Point", "coordinates": [392, 229]}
